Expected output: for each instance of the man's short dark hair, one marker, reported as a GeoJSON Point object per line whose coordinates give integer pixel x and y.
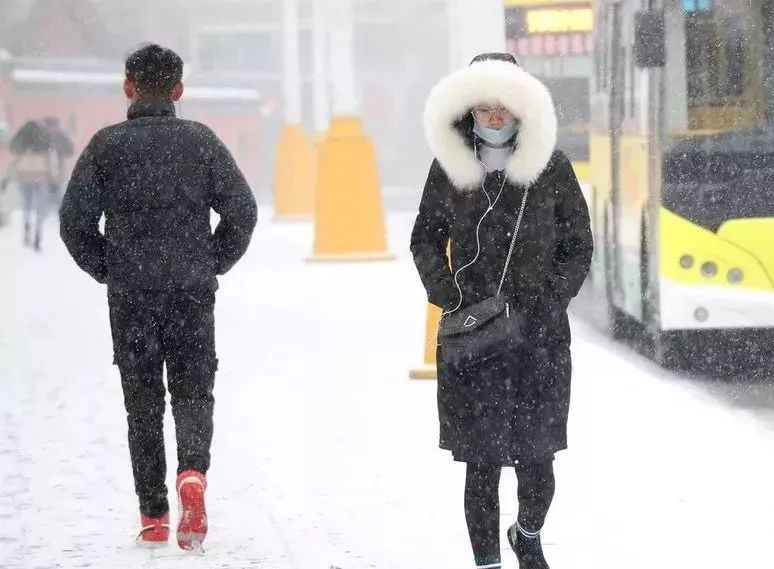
{"type": "Point", "coordinates": [155, 70]}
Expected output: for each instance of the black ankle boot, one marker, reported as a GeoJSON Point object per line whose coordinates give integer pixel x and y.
{"type": "Point", "coordinates": [528, 550]}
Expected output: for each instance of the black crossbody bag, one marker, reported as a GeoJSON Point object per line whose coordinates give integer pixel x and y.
{"type": "Point", "coordinates": [487, 329]}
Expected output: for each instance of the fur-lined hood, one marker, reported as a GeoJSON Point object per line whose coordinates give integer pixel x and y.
{"type": "Point", "coordinates": [449, 125]}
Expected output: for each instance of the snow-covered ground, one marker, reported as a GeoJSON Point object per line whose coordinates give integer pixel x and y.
{"type": "Point", "coordinates": [325, 452]}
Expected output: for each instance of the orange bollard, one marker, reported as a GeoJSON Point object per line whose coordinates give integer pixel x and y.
{"type": "Point", "coordinates": [294, 181]}
{"type": "Point", "coordinates": [349, 219]}
{"type": "Point", "coordinates": [429, 370]}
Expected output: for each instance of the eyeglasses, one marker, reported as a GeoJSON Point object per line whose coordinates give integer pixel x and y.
{"type": "Point", "coordinates": [485, 114]}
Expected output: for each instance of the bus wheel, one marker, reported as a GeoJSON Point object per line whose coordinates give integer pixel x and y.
{"type": "Point", "coordinates": [668, 349]}
{"type": "Point", "coordinates": [620, 326]}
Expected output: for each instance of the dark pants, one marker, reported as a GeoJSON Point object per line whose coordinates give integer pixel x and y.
{"type": "Point", "coordinates": [149, 330]}
{"type": "Point", "coordinates": [482, 504]}
{"type": "Point", "coordinates": [35, 204]}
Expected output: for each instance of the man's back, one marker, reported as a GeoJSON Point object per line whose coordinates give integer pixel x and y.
{"type": "Point", "coordinates": [155, 178]}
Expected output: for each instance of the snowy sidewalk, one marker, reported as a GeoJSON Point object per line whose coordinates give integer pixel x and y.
{"type": "Point", "coordinates": [325, 452]}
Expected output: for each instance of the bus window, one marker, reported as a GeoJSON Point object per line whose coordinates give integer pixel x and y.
{"type": "Point", "coordinates": [724, 42]}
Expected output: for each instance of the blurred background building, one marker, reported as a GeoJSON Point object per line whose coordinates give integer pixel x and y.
{"type": "Point", "coordinates": [553, 40]}
{"type": "Point", "coordinates": [64, 58]}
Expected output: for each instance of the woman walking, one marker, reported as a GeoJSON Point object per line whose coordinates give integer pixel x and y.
{"type": "Point", "coordinates": [510, 208]}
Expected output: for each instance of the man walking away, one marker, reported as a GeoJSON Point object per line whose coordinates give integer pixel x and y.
{"type": "Point", "coordinates": [155, 178]}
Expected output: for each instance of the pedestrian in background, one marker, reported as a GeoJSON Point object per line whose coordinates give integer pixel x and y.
{"type": "Point", "coordinates": [33, 169]}
{"type": "Point", "coordinates": [63, 149]}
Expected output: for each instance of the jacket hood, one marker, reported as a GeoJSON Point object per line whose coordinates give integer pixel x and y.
{"type": "Point", "coordinates": [449, 125]}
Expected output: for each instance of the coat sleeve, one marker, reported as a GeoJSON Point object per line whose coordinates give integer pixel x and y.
{"type": "Point", "coordinates": [80, 213]}
{"type": "Point", "coordinates": [233, 200]}
{"type": "Point", "coordinates": [429, 241]}
{"type": "Point", "coordinates": [575, 246]}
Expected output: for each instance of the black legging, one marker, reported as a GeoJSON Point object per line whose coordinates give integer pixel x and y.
{"type": "Point", "coordinates": [536, 486]}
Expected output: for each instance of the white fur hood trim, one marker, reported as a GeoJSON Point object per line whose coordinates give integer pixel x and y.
{"type": "Point", "coordinates": [487, 82]}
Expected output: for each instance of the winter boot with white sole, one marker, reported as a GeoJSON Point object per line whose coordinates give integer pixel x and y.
{"type": "Point", "coordinates": [154, 532]}
{"type": "Point", "coordinates": [527, 547]}
{"type": "Point", "coordinates": [192, 528]}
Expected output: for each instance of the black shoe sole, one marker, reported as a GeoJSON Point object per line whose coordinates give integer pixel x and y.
{"type": "Point", "coordinates": [511, 542]}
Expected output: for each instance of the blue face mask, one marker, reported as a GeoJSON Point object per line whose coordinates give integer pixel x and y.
{"type": "Point", "coordinates": [496, 137]}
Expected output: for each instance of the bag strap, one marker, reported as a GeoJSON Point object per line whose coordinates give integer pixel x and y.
{"type": "Point", "coordinates": [513, 239]}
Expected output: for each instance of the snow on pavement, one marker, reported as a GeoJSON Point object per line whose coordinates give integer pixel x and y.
{"type": "Point", "coordinates": [325, 452]}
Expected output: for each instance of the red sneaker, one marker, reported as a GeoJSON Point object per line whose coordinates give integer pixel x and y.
{"type": "Point", "coordinates": [154, 531]}
{"type": "Point", "coordinates": [193, 516]}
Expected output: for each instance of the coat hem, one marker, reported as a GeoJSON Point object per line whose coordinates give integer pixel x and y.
{"type": "Point", "coordinates": [509, 460]}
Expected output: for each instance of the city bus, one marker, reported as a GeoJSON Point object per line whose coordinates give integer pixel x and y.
{"type": "Point", "coordinates": [552, 39]}
{"type": "Point", "coordinates": [682, 169]}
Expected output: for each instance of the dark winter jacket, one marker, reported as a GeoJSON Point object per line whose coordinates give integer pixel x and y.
{"type": "Point", "coordinates": [155, 178]}
{"type": "Point", "coordinates": [517, 408]}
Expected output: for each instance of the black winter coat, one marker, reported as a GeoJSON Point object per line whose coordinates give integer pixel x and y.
{"type": "Point", "coordinates": [515, 409]}
{"type": "Point", "coordinates": [526, 399]}
{"type": "Point", "coordinates": [155, 178]}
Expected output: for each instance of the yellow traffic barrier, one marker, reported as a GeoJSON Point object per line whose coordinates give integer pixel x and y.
{"type": "Point", "coordinates": [582, 171]}
{"type": "Point", "coordinates": [349, 219]}
{"type": "Point", "coordinates": [428, 370]}
{"type": "Point", "coordinates": [318, 137]}
{"type": "Point", "coordinates": [295, 175]}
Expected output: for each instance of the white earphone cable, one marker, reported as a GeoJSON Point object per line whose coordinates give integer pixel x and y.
{"type": "Point", "coordinates": [478, 228]}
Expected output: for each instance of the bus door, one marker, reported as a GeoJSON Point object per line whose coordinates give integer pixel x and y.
{"type": "Point", "coordinates": [616, 114]}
